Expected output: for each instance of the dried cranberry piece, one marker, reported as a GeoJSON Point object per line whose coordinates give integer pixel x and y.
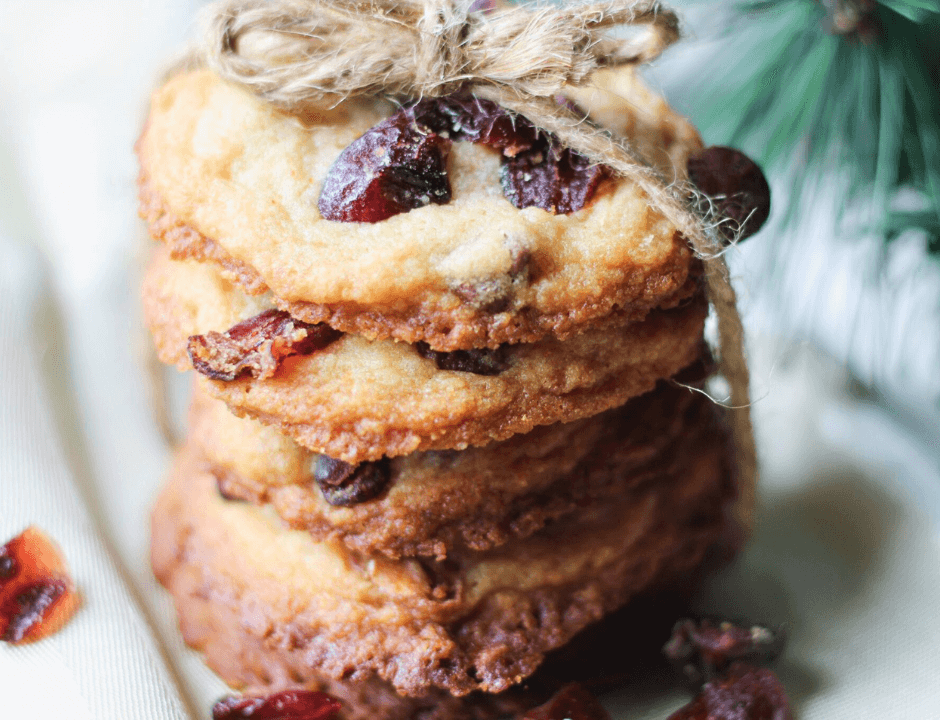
{"type": "Point", "coordinates": [480, 361]}
{"type": "Point", "coordinates": [257, 346]}
{"type": "Point", "coordinates": [703, 649]}
{"type": "Point", "coordinates": [343, 484]}
{"type": "Point", "coordinates": [737, 187]}
{"type": "Point", "coordinates": [393, 167]}
{"type": "Point", "coordinates": [286, 705]}
{"type": "Point", "coordinates": [32, 605]}
{"type": "Point", "coordinates": [7, 565]}
{"type": "Point", "coordinates": [37, 596]}
{"type": "Point", "coordinates": [745, 693]}
{"type": "Point", "coordinates": [572, 702]}
{"type": "Point", "coordinates": [552, 178]}
{"type": "Point", "coordinates": [471, 119]}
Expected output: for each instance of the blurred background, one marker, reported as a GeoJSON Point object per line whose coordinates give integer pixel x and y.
{"type": "Point", "coordinates": [840, 293]}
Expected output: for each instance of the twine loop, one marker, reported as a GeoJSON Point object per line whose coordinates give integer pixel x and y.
{"type": "Point", "coordinates": [294, 51]}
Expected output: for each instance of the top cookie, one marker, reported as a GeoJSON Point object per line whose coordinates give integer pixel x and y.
{"type": "Point", "coordinates": [230, 178]}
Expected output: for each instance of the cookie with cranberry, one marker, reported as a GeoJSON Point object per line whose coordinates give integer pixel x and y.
{"type": "Point", "coordinates": [477, 621]}
{"type": "Point", "coordinates": [357, 400]}
{"type": "Point", "coordinates": [433, 504]}
{"type": "Point", "coordinates": [498, 235]}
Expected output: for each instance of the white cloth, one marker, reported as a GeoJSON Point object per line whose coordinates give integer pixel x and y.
{"type": "Point", "coordinates": [846, 548]}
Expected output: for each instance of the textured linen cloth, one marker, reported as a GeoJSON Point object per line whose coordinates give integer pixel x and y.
{"type": "Point", "coordinates": [847, 549]}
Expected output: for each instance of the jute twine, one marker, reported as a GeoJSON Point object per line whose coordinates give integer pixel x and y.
{"type": "Point", "coordinates": [295, 52]}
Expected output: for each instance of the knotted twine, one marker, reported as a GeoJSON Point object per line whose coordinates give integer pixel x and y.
{"type": "Point", "coordinates": [295, 52]}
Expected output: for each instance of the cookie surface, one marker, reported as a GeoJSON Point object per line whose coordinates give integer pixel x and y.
{"type": "Point", "coordinates": [359, 400]}
{"type": "Point", "coordinates": [436, 503]}
{"type": "Point", "coordinates": [480, 622]}
{"type": "Point", "coordinates": [228, 178]}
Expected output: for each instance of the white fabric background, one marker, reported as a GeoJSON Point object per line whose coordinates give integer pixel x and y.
{"type": "Point", "coordinates": [847, 544]}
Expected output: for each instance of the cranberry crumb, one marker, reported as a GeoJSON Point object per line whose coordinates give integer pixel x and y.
{"type": "Point", "coordinates": [343, 484]}
{"type": "Point", "coordinates": [286, 705]}
{"type": "Point", "coordinates": [703, 649]}
{"type": "Point", "coordinates": [37, 596]}
{"type": "Point", "coordinates": [257, 346]}
{"type": "Point", "coordinates": [480, 361]}
{"type": "Point", "coordinates": [572, 702]}
{"type": "Point", "coordinates": [745, 693]}
{"type": "Point", "coordinates": [737, 187]}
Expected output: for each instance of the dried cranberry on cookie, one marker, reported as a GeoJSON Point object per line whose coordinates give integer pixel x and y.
{"type": "Point", "coordinates": [472, 257]}
{"type": "Point", "coordinates": [479, 621]}
{"type": "Point", "coordinates": [438, 503]}
{"type": "Point", "coordinates": [358, 400]}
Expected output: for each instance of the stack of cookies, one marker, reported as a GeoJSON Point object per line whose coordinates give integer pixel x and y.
{"type": "Point", "coordinates": [430, 444]}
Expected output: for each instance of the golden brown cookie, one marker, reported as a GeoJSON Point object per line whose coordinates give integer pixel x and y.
{"type": "Point", "coordinates": [359, 400]}
{"type": "Point", "coordinates": [229, 178]}
{"type": "Point", "coordinates": [481, 621]}
{"type": "Point", "coordinates": [432, 503]}
{"type": "Point", "coordinates": [597, 657]}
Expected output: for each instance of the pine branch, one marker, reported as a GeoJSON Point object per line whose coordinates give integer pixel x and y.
{"type": "Point", "coordinates": [849, 84]}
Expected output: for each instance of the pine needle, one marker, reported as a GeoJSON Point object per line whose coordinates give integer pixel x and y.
{"type": "Point", "coordinates": [797, 95]}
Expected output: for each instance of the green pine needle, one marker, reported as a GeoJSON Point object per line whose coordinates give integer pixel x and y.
{"type": "Point", "coordinates": [797, 95]}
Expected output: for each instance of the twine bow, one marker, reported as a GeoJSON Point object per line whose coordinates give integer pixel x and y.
{"type": "Point", "coordinates": [292, 52]}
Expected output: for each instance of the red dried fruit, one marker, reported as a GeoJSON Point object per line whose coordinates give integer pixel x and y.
{"type": "Point", "coordinates": [257, 346]}
{"type": "Point", "coordinates": [481, 361]}
{"type": "Point", "coordinates": [401, 163]}
{"type": "Point", "coordinates": [572, 702]}
{"type": "Point", "coordinates": [343, 484]}
{"type": "Point", "coordinates": [287, 705]}
{"type": "Point", "coordinates": [704, 649]}
{"type": "Point", "coordinates": [394, 167]}
{"type": "Point", "coordinates": [552, 178]}
{"type": "Point", "coordinates": [37, 596]}
{"type": "Point", "coordinates": [745, 693]}
{"type": "Point", "coordinates": [471, 119]}
{"type": "Point", "coordinates": [737, 187]}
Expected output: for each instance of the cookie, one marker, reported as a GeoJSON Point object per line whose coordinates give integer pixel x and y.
{"type": "Point", "coordinates": [435, 503]}
{"type": "Point", "coordinates": [359, 400]}
{"type": "Point", "coordinates": [482, 621]}
{"type": "Point", "coordinates": [228, 178]}
{"type": "Point", "coordinates": [596, 657]}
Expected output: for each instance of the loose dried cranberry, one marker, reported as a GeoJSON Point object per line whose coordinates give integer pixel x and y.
{"type": "Point", "coordinates": [7, 565]}
{"type": "Point", "coordinates": [745, 693]}
{"type": "Point", "coordinates": [257, 346]}
{"type": "Point", "coordinates": [737, 187]}
{"type": "Point", "coordinates": [286, 705]}
{"type": "Point", "coordinates": [343, 484]}
{"type": "Point", "coordinates": [552, 178]}
{"type": "Point", "coordinates": [37, 596]}
{"type": "Point", "coordinates": [572, 702]}
{"type": "Point", "coordinates": [32, 605]}
{"type": "Point", "coordinates": [481, 361]}
{"type": "Point", "coordinates": [394, 167]}
{"type": "Point", "coordinates": [703, 649]}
